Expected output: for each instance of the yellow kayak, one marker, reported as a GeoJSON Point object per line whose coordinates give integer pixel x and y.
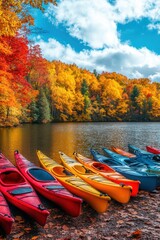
{"type": "Point", "coordinates": [96, 199]}
{"type": "Point", "coordinates": [120, 193]}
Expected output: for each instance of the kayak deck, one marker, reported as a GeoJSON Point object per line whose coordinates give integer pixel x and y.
{"type": "Point", "coordinates": [19, 192]}
{"type": "Point", "coordinates": [48, 186]}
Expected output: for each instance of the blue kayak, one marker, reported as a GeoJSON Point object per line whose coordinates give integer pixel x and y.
{"type": "Point", "coordinates": [138, 163]}
{"type": "Point", "coordinates": [144, 156]}
{"type": "Point", "coordinates": [149, 181]}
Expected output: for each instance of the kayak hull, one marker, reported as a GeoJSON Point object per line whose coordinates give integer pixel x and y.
{"type": "Point", "coordinates": [108, 173]}
{"type": "Point", "coordinates": [153, 150]}
{"type": "Point", "coordinates": [19, 192]}
{"type": "Point", "coordinates": [122, 152]}
{"type": "Point", "coordinates": [97, 200]}
{"type": "Point", "coordinates": [148, 182]}
{"type": "Point", "coordinates": [6, 219]}
{"type": "Point", "coordinates": [120, 193]}
{"type": "Point", "coordinates": [44, 183]}
{"type": "Point", "coordinates": [148, 158]}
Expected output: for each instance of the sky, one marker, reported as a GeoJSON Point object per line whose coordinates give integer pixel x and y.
{"type": "Point", "coordinates": [120, 36]}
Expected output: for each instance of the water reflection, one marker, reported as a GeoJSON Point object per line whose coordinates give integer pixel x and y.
{"type": "Point", "coordinates": [80, 137]}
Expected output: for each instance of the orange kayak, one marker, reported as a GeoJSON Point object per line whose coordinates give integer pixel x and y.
{"type": "Point", "coordinates": [120, 193]}
{"type": "Point", "coordinates": [122, 152]}
{"type": "Point", "coordinates": [108, 172]}
{"type": "Point", "coordinates": [96, 199]}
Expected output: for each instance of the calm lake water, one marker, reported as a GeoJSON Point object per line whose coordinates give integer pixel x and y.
{"type": "Point", "coordinates": [80, 137]}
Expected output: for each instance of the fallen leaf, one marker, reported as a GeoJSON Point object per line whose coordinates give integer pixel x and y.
{"type": "Point", "coordinates": [65, 227]}
{"type": "Point", "coordinates": [137, 234]}
{"type": "Point", "coordinates": [18, 218]}
{"type": "Point", "coordinates": [27, 229]}
{"type": "Point", "coordinates": [46, 226]}
{"type": "Point", "coordinates": [120, 221]}
{"type": "Point", "coordinates": [18, 235]}
{"type": "Point", "coordinates": [50, 235]}
{"type": "Point", "coordinates": [34, 238]}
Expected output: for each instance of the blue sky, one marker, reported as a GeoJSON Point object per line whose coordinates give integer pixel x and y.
{"type": "Point", "coordinates": [107, 35]}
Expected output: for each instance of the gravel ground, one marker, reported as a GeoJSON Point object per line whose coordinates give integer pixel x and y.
{"type": "Point", "coordinates": [139, 219]}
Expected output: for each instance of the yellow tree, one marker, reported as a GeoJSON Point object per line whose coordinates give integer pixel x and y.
{"type": "Point", "coordinates": [155, 112]}
{"type": "Point", "coordinates": [13, 13]}
{"type": "Point", "coordinates": [112, 98]}
{"type": "Point", "coordinates": [8, 102]}
{"type": "Point", "coordinates": [62, 85]}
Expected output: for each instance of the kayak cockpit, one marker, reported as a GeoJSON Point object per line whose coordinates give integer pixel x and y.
{"type": "Point", "coordinates": [40, 174]}
{"type": "Point", "coordinates": [61, 171]}
{"type": "Point", "coordinates": [101, 167]}
{"type": "Point", "coordinates": [11, 177]}
{"type": "Point", "coordinates": [81, 169]}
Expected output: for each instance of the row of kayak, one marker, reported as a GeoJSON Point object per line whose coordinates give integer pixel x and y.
{"type": "Point", "coordinates": [70, 182]}
{"type": "Point", "coordinates": [144, 167]}
{"type": "Point", "coordinates": [149, 149]}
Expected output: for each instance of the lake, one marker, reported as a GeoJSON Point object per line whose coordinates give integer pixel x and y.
{"type": "Point", "coordinates": [69, 137]}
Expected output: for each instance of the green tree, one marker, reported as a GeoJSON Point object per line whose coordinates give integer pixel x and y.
{"type": "Point", "coordinates": [134, 107]}
{"type": "Point", "coordinates": [85, 93]}
{"type": "Point", "coordinates": [134, 94]}
{"type": "Point", "coordinates": [43, 106]}
{"type": "Point", "coordinates": [84, 88]}
{"type": "Point", "coordinates": [34, 111]}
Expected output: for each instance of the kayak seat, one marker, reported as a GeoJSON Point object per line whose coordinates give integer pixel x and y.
{"type": "Point", "coordinates": [54, 187]}
{"type": "Point", "coordinates": [67, 172]}
{"type": "Point", "coordinates": [21, 190]}
{"type": "Point", "coordinates": [82, 169]}
{"type": "Point", "coordinates": [61, 171]}
{"type": "Point", "coordinates": [102, 167]}
{"type": "Point", "coordinates": [40, 174]}
{"type": "Point", "coordinates": [11, 177]}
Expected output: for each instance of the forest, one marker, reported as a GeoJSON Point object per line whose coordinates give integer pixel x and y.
{"type": "Point", "coordinates": [35, 90]}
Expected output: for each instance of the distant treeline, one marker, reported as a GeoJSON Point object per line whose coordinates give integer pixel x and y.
{"type": "Point", "coordinates": [35, 90]}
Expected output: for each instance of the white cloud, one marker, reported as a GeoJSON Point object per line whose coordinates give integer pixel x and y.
{"type": "Point", "coordinates": [155, 77]}
{"type": "Point", "coordinates": [90, 21]}
{"type": "Point", "coordinates": [155, 26]}
{"type": "Point", "coordinates": [135, 9]}
{"type": "Point", "coordinates": [95, 24]}
{"type": "Point", "coordinates": [125, 59]}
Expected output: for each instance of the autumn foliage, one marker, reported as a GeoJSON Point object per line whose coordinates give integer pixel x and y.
{"type": "Point", "coordinates": [33, 89]}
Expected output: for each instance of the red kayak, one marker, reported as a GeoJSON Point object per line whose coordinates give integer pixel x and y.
{"type": "Point", "coordinates": [48, 186]}
{"type": "Point", "coordinates": [19, 192]}
{"type": "Point", "coordinates": [153, 150]}
{"type": "Point", "coordinates": [6, 220]}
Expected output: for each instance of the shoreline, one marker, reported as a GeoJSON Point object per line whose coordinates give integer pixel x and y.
{"type": "Point", "coordinates": [138, 219]}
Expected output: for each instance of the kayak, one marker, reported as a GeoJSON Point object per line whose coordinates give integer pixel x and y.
{"type": "Point", "coordinates": [142, 154]}
{"type": "Point", "coordinates": [137, 151]}
{"type": "Point", "coordinates": [140, 157]}
{"type": "Point", "coordinates": [6, 219]}
{"type": "Point", "coordinates": [148, 182]}
{"type": "Point", "coordinates": [122, 152]}
{"type": "Point", "coordinates": [48, 186]}
{"type": "Point", "coordinates": [19, 192]}
{"type": "Point", "coordinates": [120, 193]}
{"type": "Point", "coordinates": [153, 150]}
{"type": "Point", "coordinates": [139, 163]}
{"type": "Point", "coordinates": [97, 200]}
{"type": "Point", "coordinates": [108, 172]}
